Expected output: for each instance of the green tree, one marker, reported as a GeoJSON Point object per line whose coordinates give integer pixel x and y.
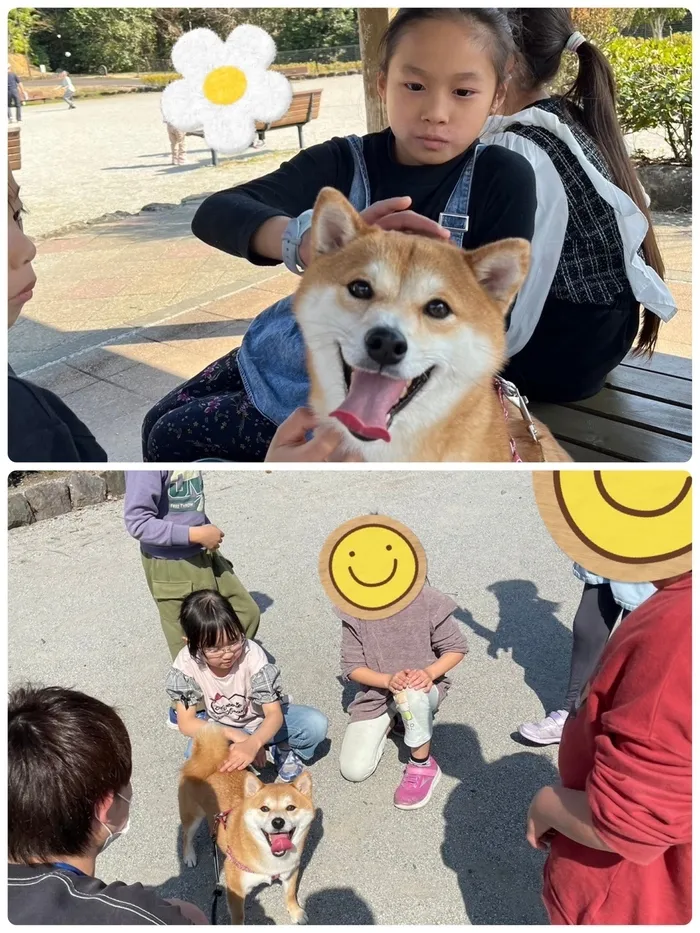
{"type": "Point", "coordinates": [121, 39]}
{"type": "Point", "coordinates": [657, 17]}
{"type": "Point", "coordinates": [21, 23]}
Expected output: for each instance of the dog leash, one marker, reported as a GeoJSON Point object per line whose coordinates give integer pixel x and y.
{"type": "Point", "coordinates": [220, 820]}
{"type": "Point", "coordinates": [508, 390]}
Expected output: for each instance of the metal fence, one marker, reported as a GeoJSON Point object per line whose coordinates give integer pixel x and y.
{"type": "Point", "coordinates": [340, 53]}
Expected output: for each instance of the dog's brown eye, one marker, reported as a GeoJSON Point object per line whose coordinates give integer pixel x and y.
{"type": "Point", "coordinates": [438, 309]}
{"type": "Point", "coordinates": [361, 289]}
{"type": "Point", "coordinates": [290, 808]}
{"type": "Point", "coordinates": [265, 809]}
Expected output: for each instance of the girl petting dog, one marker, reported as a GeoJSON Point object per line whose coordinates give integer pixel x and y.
{"type": "Point", "coordinates": [240, 688]}
{"type": "Point", "coordinates": [444, 72]}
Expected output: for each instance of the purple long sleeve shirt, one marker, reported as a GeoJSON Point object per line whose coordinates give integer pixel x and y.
{"type": "Point", "coordinates": [160, 507]}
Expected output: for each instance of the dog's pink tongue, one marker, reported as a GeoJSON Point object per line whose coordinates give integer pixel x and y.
{"type": "Point", "coordinates": [280, 842]}
{"type": "Point", "coordinates": [366, 408]}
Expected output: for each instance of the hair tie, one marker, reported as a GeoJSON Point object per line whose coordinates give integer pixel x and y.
{"type": "Point", "coordinates": [574, 41]}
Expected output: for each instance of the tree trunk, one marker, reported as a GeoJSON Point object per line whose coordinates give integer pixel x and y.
{"type": "Point", "coordinates": [372, 23]}
{"type": "Point", "coordinates": [657, 26]}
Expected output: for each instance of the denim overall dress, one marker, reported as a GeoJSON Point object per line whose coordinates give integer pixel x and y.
{"type": "Point", "coordinates": [272, 359]}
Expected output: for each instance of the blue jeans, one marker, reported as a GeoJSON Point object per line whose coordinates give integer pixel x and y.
{"type": "Point", "coordinates": [303, 729]}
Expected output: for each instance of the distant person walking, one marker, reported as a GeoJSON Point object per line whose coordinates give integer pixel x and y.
{"type": "Point", "coordinates": [15, 94]}
{"type": "Point", "coordinates": [177, 145]}
{"type": "Point", "coordinates": [68, 88]}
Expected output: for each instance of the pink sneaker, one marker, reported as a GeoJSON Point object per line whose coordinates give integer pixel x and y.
{"type": "Point", "coordinates": [417, 785]}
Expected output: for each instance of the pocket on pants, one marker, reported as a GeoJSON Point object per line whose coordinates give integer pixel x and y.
{"type": "Point", "coordinates": [178, 590]}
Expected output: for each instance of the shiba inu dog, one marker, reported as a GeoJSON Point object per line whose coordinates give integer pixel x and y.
{"type": "Point", "coordinates": [261, 828]}
{"type": "Point", "coordinates": [404, 337]}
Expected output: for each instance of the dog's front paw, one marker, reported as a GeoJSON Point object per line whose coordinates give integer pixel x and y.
{"type": "Point", "coordinates": [190, 857]}
{"type": "Point", "coordinates": [299, 916]}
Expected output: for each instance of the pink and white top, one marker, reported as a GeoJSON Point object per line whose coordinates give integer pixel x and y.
{"type": "Point", "coordinates": [234, 700]}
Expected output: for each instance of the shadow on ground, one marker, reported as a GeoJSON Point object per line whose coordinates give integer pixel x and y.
{"type": "Point", "coordinates": [529, 630]}
{"type": "Point", "coordinates": [499, 874]}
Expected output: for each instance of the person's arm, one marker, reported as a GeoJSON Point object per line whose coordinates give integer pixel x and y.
{"type": "Point", "coordinates": [249, 220]}
{"type": "Point", "coordinates": [547, 238]}
{"type": "Point", "coordinates": [144, 490]}
{"type": "Point", "coordinates": [244, 753]}
{"type": "Point", "coordinates": [503, 199]}
{"type": "Point", "coordinates": [559, 809]}
{"type": "Point", "coordinates": [189, 911]}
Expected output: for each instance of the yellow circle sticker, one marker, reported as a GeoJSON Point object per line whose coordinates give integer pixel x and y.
{"type": "Point", "coordinates": [372, 567]}
{"type": "Point", "coordinates": [225, 85]}
{"type": "Point", "coordinates": [633, 526]}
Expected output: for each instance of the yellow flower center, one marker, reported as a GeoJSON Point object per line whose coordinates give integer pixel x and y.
{"type": "Point", "coordinates": [225, 85]}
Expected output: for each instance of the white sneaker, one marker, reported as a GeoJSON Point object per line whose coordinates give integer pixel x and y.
{"type": "Point", "coordinates": [546, 732]}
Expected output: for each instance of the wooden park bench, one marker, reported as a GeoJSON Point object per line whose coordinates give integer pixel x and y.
{"type": "Point", "coordinates": [14, 148]}
{"type": "Point", "coordinates": [643, 414]}
{"type": "Point", "coordinates": [46, 93]}
{"type": "Point", "coordinates": [304, 108]}
{"type": "Point", "coordinates": [294, 71]}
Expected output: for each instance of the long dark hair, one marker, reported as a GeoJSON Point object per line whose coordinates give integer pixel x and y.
{"type": "Point", "coordinates": [492, 19]}
{"type": "Point", "coordinates": [206, 617]}
{"type": "Point", "coordinates": [541, 35]}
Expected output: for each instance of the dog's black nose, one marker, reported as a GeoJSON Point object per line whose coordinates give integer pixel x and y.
{"type": "Point", "coordinates": [385, 345]}
{"type": "Point", "coordinates": [278, 823]}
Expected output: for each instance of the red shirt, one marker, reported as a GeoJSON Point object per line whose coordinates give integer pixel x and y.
{"type": "Point", "coordinates": [629, 748]}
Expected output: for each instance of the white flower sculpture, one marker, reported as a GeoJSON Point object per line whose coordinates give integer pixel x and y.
{"type": "Point", "coordinates": [225, 87]}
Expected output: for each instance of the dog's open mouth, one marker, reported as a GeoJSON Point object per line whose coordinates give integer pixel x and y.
{"type": "Point", "coordinates": [373, 400]}
{"type": "Point", "coordinates": [279, 843]}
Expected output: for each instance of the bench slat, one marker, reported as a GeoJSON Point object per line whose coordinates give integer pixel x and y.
{"type": "Point", "coordinates": [652, 385]}
{"type": "Point", "coordinates": [586, 455]}
{"type": "Point", "coordinates": [664, 363]}
{"type": "Point", "coordinates": [621, 407]}
{"type": "Point", "coordinates": [611, 438]}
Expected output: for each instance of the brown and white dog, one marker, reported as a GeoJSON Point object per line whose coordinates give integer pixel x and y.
{"type": "Point", "coordinates": [261, 828]}
{"type": "Point", "coordinates": [404, 337]}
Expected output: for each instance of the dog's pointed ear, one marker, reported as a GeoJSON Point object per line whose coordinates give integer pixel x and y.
{"type": "Point", "coordinates": [303, 783]}
{"type": "Point", "coordinates": [251, 785]}
{"type": "Point", "coordinates": [500, 268]}
{"type": "Point", "coordinates": [335, 223]}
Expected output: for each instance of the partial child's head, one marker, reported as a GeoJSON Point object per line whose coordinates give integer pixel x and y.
{"type": "Point", "coordinates": [443, 72]}
{"type": "Point", "coordinates": [212, 628]}
{"type": "Point", "coordinates": [20, 254]}
{"type": "Point", "coordinates": [68, 774]}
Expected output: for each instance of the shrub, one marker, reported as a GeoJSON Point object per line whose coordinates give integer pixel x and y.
{"type": "Point", "coordinates": [159, 80]}
{"type": "Point", "coordinates": [654, 88]}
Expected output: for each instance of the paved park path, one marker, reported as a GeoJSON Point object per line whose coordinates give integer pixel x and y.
{"type": "Point", "coordinates": [87, 621]}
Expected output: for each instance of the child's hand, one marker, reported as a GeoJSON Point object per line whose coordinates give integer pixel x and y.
{"type": "Point", "coordinates": [209, 536]}
{"type": "Point", "coordinates": [420, 680]}
{"type": "Point", "coordinates": [260, 759]}
{"type": "Point", "coordinates": [241, 755]}
{"type": "Point", "coordinates": [398, 682]}
{"type": "Point", "coordinates": [289, 445]}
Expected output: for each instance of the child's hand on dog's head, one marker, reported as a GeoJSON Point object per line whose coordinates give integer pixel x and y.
{"type": "Point", "coordinates": [389, 214]}
{"type": "Point", "coordinates": [241, 755]}
{"type": "Point", "coordinates": [290, 445]}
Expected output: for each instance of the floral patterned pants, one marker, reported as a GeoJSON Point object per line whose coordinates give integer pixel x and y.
{"type": "Point", "coordinates": [208, 416]}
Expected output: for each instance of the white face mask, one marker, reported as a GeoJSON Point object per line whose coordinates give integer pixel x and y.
{"type": "Point", "coordinates": [120, 832]}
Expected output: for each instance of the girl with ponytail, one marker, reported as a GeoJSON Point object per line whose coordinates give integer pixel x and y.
{"type": "Point", "coordinates": [595, 258]}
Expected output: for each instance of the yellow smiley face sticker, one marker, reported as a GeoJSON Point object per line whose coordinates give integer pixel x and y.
{"type": "Point", "coordinates": [372, 567]}
{"type": "Point", "coordinates": [632, 526]}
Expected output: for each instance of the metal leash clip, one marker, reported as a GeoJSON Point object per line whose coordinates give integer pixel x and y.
{"type": "Point", "coordinates": [513, 394]}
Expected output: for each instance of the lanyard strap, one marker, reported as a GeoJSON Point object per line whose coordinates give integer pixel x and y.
{"type": "Point", "coordinates": [71, 868]}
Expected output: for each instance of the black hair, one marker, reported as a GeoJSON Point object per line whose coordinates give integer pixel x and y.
{"type": "Point", "coordinates": [491, 19]}
{"type": "Point", "coordinates": [541, 35]}
{"type": "Point", "coordinates": [206, 618]}
{"type": "Point", "coordinates": [66, 753]}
